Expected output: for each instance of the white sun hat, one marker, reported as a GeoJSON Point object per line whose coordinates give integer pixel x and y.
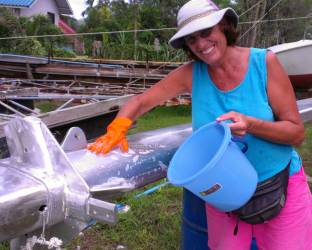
{"type": "Point", "coordinates": [198, 15]}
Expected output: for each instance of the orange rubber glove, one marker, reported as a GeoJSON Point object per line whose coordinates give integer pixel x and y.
{"type": "Point", "coordinates": [116, 134]}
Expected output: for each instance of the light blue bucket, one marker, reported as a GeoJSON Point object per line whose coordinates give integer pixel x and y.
{"type": "Point", "coordinates": [212, 166]}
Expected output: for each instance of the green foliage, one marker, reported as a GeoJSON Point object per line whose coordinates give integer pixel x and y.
{"type": "Point", "coordinates": [4, 246]}
{"type": "Point", "coordinates": [30, 47]}
{"type": "Point", "coordinates": [41, 25]}
{"type": "Point", "coordinates": [46, 106]}
{"type": "Point", "coordinates": [9, 26]}
{"type": "Point", "coordinates": [277, 30]}
{"type": "Point", "coordinates": [154, 230]}
{"type": "Point", "coordinates": [161, 117]}
{"type": "Point", "coordinates": [306, 148]}
{"type": "Point", "coordinates": [147, 14]}
{"type": "Point", "coordinates": [153, 221]}
{"type": "Point", "coordinates": [121, 15]}
{"type": "Point", "coordinates": [61, 52]}
{"type": "Point", "coordinates": [13, 26]}
{"type": "Point", "coordinates": [305, 151]}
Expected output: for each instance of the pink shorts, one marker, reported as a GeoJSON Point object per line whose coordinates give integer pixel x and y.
{"type": "Point", "coordinates": [290, 230]}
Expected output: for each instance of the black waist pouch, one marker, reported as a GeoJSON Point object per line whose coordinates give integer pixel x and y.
{"type": "Point", "coordinates": [267, 201]}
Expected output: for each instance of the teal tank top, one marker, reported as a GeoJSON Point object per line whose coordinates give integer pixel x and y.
{"type": "Point", "coordinates": [249, 98]}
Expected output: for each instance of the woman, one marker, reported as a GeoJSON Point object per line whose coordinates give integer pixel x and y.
{"type": "Point", "coordinates": [250, 88]}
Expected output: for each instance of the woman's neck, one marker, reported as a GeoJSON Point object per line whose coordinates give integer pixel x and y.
{"type": "Point", "coordinates": [229, 72]}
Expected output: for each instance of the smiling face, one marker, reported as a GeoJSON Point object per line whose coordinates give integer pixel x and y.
{"type": "Point", "coordinates": [208, 45]}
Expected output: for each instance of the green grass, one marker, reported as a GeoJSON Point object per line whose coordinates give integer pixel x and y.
{"type": "Point", "coordinates": [153, 222]}
{"type": "Point", "coordinates": [305, 150]}
{"type": "Point", "coordinates": [161, 117]}
{"type": "Point", "coordinates": [46, 106]}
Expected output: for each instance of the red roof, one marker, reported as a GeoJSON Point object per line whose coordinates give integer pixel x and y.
{"type": "Point", "coordinates": [65, 27]}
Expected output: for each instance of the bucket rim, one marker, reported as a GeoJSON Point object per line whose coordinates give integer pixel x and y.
{"type": "Point", "coordinates": [214, 159]}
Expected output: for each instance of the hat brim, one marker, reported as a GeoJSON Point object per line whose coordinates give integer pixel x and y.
{"type": "Point", "coordinates": [177, 41]}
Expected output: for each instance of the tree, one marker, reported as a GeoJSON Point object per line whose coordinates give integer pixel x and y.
{"type": "Point", "coordinates": [13, 26]}
{"type": "Point", "coordinates": [41, 25]}
{"type": "Point", "coordinates": [279, 31]}
{"type": "Point", "coordinates": [119, 15]}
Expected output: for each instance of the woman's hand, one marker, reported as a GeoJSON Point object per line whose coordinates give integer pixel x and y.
{"type": "Point", "coordinates": [287, 128]}
{"type": "Point", "coordinates": [116, 135]}
{"type": "Point", "coordinates": [241, 123]}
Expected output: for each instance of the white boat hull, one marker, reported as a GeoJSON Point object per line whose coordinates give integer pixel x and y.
{"type": "Point", "coordinates": [296, 58]}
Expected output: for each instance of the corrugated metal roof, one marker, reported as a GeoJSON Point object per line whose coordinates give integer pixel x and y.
{"type": "Point", "coordinates": [17, 3]}
{"type": "Point", "coordinates": [62, 5]}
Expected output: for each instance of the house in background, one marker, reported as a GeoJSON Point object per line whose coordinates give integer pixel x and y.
{"type": "Point", "coordinates": [54, 9]}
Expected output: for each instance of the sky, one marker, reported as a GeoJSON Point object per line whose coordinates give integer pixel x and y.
{"type": "Point", "coordinates": [78, 6]}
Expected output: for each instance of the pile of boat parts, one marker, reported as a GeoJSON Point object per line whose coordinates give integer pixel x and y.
{"type": "Point", "coordinates": [50, 192]}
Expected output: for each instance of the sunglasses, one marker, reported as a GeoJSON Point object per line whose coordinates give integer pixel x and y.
{"type": "Point", "coordinates": [191, 39]}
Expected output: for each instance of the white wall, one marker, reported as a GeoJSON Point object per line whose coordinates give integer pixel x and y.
{"type": "Point", "coordinates": [42, 7]}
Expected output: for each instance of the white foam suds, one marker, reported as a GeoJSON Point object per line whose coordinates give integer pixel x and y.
{"type": "Point", "coordinates": [120, 153]}
{"type": "Point", "coordinates": [127, 167]}
{"type": "Point", "coordinates": [145, 152]}
{"type": "Point", "coordinates": [131, 152]}
{"type": "Point", "coordinates": [135, 158]}
{"type": "Point", "coordinates": [113, 157]}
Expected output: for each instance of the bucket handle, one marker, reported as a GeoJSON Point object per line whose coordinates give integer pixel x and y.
{"type": "Point", "coordinates": [240, 140]}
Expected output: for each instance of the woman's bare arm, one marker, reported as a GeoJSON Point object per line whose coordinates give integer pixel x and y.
{"type": "Point", "coordinates": [288, 127]}
{"type": "Point", "coordinates": [175, 83]}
